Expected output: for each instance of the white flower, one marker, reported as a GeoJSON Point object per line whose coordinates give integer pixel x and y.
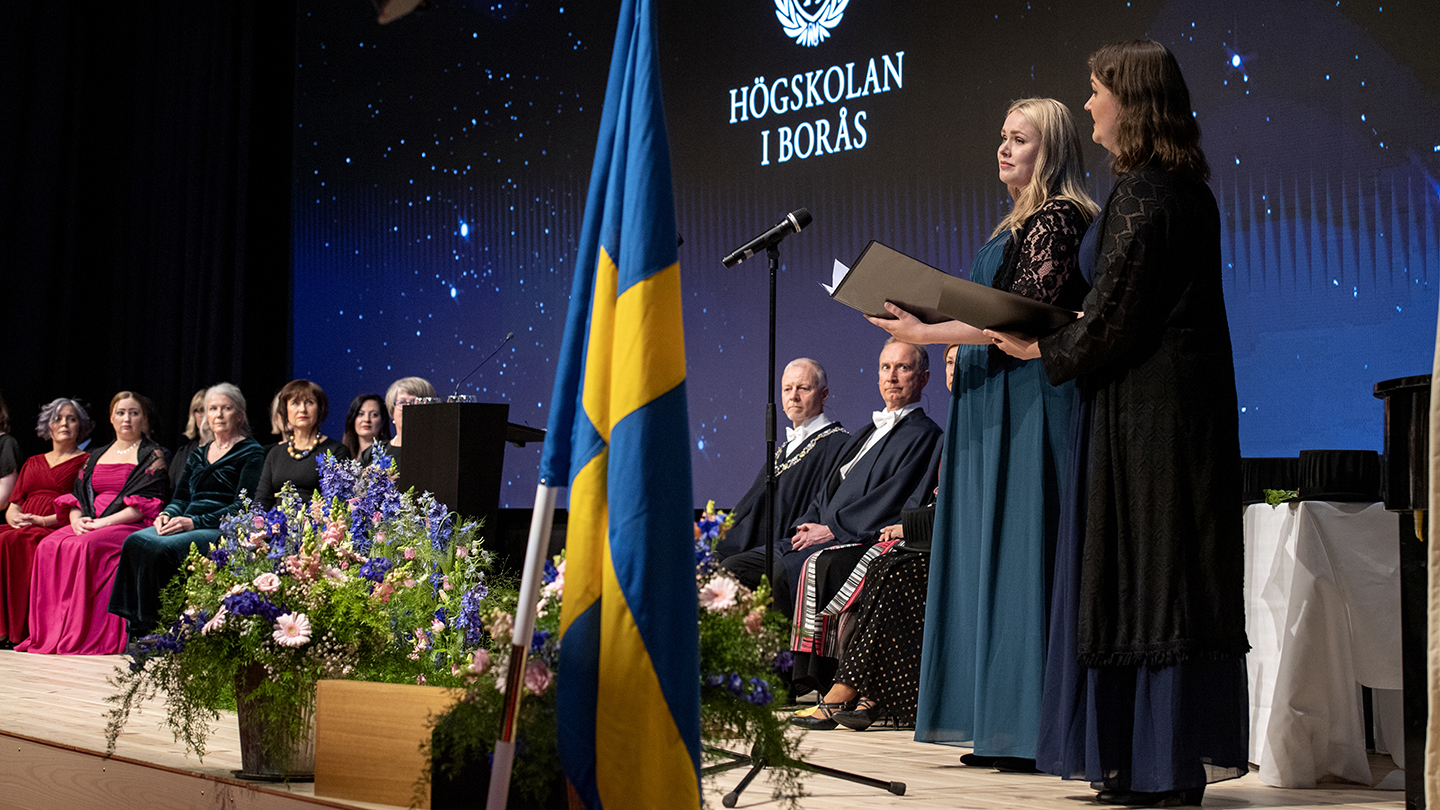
{"type": "Point", "coordinates": [292, 629]}
{"type": "Point", "coordinates": [333, 575]}
{"type": "Point", "coordinates": [719, 593]}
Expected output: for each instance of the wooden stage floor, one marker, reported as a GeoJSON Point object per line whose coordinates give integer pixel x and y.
{"type": "Point", "coordinates": [52, 720]}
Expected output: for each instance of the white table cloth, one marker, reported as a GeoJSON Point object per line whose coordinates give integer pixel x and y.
{"type": "Point", "coordinates": [1322, 600]}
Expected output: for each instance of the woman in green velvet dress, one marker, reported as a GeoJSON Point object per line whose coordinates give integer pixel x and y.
{"type": "Point", "coordinates": [209, 489]}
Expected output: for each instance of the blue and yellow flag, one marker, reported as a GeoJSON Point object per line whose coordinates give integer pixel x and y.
{"type": "Point", "coordinates": [629, 680]}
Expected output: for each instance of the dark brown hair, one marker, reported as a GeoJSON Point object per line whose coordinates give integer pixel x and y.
{"type": "Point", "coordinates": [352, 439]}
{"type": "Point", "coordinates": [299, 389]}
{"type": "Point", "coordinates": [1154, 122]}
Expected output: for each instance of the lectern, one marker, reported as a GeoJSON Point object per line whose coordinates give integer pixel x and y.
{"type": "Point", "coordinates": [456, 450]}
{"type": "Point", "coordinates": [1405, 488]}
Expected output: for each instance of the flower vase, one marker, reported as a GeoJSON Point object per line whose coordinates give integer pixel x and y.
{"type": "Point", "coordinates": [296, 760]}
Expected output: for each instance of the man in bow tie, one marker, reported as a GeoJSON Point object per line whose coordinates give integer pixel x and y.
{"type": "Point", "coordinates": [802, 464]}
{"type": "Point", "coordinates": [879, 469]}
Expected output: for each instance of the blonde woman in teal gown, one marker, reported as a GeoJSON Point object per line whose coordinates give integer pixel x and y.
{"type": "Point", "coordinates": [983, 652]}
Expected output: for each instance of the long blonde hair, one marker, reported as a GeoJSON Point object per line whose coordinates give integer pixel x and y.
{"type": "Point", "coordinates": [1059, 167]}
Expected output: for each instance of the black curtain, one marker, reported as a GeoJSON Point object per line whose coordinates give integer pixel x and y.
{"type": "Point", "coordinates": [145, 175]}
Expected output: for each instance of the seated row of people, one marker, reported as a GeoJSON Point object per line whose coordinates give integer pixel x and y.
{"type": "Point", "coordinates": [91, 538]}
{"type": "Point", "coordinates": [838, 507]}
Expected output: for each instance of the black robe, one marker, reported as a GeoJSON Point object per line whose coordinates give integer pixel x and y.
{"type": "Point", "coordinates": [149, 479]}
{"type": "Point", "coordinates": [1163, 556]}
{"type": "Point", "coordinates": [798, 477]}
{"type": "Point", "coordinates": [856, 507]}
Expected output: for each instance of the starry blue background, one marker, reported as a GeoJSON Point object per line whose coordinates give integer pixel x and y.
{"type": "Point", "coordinates": [441, 165]}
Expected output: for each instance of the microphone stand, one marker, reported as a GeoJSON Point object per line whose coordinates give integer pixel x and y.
{"type": "Point", "coordinates": [758, 759]}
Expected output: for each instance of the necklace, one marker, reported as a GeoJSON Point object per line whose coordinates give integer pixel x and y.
{"type": "Point", "coordinates": [296, 453]}
{"type": "Point", "coordinates": [129, 449]}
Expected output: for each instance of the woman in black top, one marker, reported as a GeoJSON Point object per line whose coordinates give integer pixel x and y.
{"type": "Point", "coordinates": [303, 406]}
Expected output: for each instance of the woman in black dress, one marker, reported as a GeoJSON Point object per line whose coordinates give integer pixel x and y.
{"type": "Point", "coordinates": [366, 425]}
{"type": "Point", "coordinates": [1145, 687]}
{"type": "Point", "coordinates": [303, 406]}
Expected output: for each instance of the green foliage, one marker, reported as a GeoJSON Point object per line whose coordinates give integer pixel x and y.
{"type": "Point", "coordinates": [1279, 496]}
{"type": "Point", "coordinates": [310, 591]}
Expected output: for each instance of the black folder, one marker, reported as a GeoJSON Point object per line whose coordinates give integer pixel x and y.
{"type": "Point", "coordinates": [882, 274]}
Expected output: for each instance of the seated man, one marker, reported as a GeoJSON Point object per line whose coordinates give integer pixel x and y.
{"type": "Point", "coordinates": [878, 470]}
{"type": "Point", "coordinates": [802, 463]}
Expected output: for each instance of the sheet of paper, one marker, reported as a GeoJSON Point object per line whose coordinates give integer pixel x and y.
{"type": "Point", "coordinates": [837, 276]}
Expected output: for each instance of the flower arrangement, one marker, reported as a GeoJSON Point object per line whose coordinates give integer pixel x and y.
{"type": "Point", "coordinates": [743, 648]}
{"type": "Point", "coordinates": [362, 582]}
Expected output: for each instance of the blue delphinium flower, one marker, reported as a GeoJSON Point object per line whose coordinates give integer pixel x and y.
{"type": "Point", "coordinates": [705, 562]}
{"type": "Point", "coordinates": [760, 693]}
{"type": "Point", "coordinates": [337, 480]}
{"type": "Point", "coordinates": [538, 639]}
{"type": "Point", "coordinates": [376, 568]}
{"type": "Point", "coordinates": [550, 573]}
{"type": "Point", "coordinates": [250, 603]}
{"type": "Point", "coordinates": [734, 684]}
{"type": "Point", "coordinates": [469, 618]}
{"type": "Point", "coordinates": [784, 660]}
{"type": "Point", "coordinates": [438, 522]}
{"type": "Point", "coordinates": [220, 556]}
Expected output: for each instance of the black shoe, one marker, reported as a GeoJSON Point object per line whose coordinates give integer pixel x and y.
{"type": "Point", "coordinates": [978, 761]}
{"type": "Point", "coordinates": [1189, 797]}
{"type": "Point", "coordinates": [1015, 765]}
{"type": "Point", "coordinates": [823, 719]}
{"type": "Point", "coordinates": [7, 644]}
{"type": "Point", "coordinates": [864, 715]}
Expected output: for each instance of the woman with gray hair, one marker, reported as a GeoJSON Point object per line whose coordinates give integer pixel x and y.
{"type": "Point", "coordinates": [210, 488]}
{"type": "Point", "coordinates": [31, 514]}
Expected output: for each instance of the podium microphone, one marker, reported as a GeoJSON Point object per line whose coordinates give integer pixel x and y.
{"type": "Point", "coordinates": [456, 396]}
{"type": "Point", "coordinates": [793, 222]}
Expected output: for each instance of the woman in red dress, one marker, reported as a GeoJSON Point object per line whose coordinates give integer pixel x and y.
{"type": "Point", "coordinates": [31, 514]}
{"type": "Point", "coordinates": [122, 488]}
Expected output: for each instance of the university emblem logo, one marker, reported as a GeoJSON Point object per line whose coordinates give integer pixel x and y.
{"type": "Point", "coordinates": [809, 28]}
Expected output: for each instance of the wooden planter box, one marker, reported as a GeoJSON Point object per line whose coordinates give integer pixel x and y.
{"type": "Point", "coordinates": [368, 737]}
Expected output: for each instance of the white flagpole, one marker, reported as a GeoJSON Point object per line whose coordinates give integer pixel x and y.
{"type": "Point", "coordinates": [540, 521]}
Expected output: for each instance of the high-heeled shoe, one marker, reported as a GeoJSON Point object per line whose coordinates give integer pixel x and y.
{"type": "Point", "coordinates": [823, 717]}
{"type": "Point", "coordinates": [978, 761]}
{"type": "Point", "coordinates": [1186, 797]}
{"type": "Point", "coordinates": [864, 715]}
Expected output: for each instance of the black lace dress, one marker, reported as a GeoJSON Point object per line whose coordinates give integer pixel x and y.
{"type": "Point", "coordinates": [1145, 685]}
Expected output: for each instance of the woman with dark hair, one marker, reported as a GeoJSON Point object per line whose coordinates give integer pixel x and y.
{"type": "Point", "coordinates": [1146, 687]}
{"type": "Point", "coordinates": [197, 431]}
{"type": "Point", "coordinates": [121, 489]}
{"type": "Point", "coordinates": [982, 661]}
{"type": "Point", "coordinates": [366, 425]}
{"type": "Point", "coordinates": [31, 514]}
{"type": "Point", "coordinates": [303, 407]}
{"type": "Point", "coordinates": [10, 457]}
{"type": "Point", "coordinates": [210, 488]}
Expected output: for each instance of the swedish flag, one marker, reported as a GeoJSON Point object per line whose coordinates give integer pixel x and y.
{"type": "Point", "coordinates": [629, 686]}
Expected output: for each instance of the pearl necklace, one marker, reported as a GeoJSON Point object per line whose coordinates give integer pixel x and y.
{"type": "Point", "coordinates": [129, 449]}
{"type": "Point", "coordinates": [298, 454]}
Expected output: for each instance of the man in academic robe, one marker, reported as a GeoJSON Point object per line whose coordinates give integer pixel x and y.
{"type": "Point", "coordinates": [802, 464]}
{"type": "Point", "coordinates": [876, 473]}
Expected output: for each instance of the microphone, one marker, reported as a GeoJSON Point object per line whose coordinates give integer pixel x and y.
{"type": "Point", "coordinates": [793, 222]}
{"type": "Point", "coordinates": [455, 397]}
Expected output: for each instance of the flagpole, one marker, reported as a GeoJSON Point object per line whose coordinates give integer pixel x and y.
{"type": "Point", "coordinates": [540, 522]}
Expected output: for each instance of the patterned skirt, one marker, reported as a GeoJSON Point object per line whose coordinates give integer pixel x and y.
{"type": "Point", "coordinates": [882, 659]}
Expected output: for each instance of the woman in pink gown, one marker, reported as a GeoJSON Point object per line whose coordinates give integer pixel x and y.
{"type": "Point", "coordinates": [31, 514]}
{"type": "Point", "coordinates": [122, 488]}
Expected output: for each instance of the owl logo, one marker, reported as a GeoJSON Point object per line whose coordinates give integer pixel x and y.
{"type": "Point", "coordinates": [809, 28]}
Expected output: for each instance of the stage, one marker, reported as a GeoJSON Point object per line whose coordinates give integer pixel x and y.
{"type": "Point", "coordinates": [52, 721]}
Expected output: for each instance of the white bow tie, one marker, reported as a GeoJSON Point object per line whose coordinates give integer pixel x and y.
{"type": "Point", "coordinates": [790, 434]}
{"type": "Point", "coordinates": [886, 419]}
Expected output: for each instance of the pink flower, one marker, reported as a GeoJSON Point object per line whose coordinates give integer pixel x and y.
{"type": "Point", "coordinates": [266, 582]}
{"type": "Point", "coordinates": [437, 626]}
{"type": "Point", "coordinates": [537, 677]}
{"type": "Point", "coordinates": [383, 592]}
{"type": "Point", "coordinates": [409, 552]}
{"type": "Point", "coordinates": [292, 629]}
{"type": "Point", "coordinates": [501, 625]}
{"type": "Point", "coordinates": [379, 536]}
{"type": "Point", "coordinates": [258, 522]}
{"type": "Point", "coordinates": [480, 661]}
{"type": "Point", "coordinates": [332, 574]}
{"type": "Point", "coordinates": [444, 582]}
{"type": "Point", "coordinates": [409, 583]}
{"type": "Point", "coordinates": [216, 622]}
{"type": "Point", "coordinates": [462, 552]}
{"type": "Point", "coordinates": [719, 593]}
{"type": "Point", "coordinates": [752, 621]}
